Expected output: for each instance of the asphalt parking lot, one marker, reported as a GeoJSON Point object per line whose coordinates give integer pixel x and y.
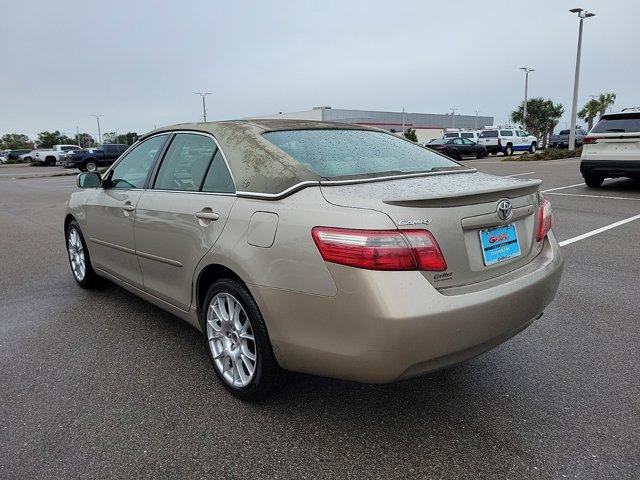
{"type": "Point", "coordinates": [101, 384]}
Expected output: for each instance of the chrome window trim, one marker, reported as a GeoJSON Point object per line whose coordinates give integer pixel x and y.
{"type": "Point", "coordinates": [301, 185]}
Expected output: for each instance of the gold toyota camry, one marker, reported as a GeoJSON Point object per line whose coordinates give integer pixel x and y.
{"type": "Point", "coordinates": [323, 248]}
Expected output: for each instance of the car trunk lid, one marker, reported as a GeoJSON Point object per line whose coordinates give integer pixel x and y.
{"type": "Point", "coordinates": [454, 207]}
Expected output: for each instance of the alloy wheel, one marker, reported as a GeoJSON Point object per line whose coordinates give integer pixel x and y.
{"type": "Point", "coordinates": [231, 340]}
{"type": "Point", "coordinates": [76, 255]}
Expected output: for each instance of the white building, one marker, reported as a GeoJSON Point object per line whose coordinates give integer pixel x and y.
{"type": "Point", "coordinates": [426, 125]}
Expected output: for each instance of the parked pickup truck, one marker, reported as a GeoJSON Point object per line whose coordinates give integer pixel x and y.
{"type": "Point", "coordinates": [54, 155]}
{"type": "Point", "coordinates": [90, 159]}
{"type": "Point", "coordinates": [562, 139]}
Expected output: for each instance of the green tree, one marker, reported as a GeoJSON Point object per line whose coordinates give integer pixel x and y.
{"type": "Point", "coordinates": [410, 134]}
{"type": "Point", "coordinates": [605, 100]}
{"type": "Point", "coordinates": [14, 141]}
{"type": "Point", "coordinates": [49, 139]}
{"type": "Point", "coordinates": [589, 112]}
{"type": "Point", "coordinates": [542, 116]}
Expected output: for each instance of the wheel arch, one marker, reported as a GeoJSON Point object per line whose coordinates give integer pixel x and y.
{"type": "Point", "coordinates": [67, 220]}
{"type": "Point", "coordinates": [210, 274]}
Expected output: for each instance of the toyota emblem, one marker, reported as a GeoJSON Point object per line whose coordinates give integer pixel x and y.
{"type": "Point", "coordinates": [504, 210]}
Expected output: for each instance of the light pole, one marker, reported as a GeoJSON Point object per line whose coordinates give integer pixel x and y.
{"type": "Point", "coordinates": [477, 112]}
{"type": "Point", "coordinates": [204, 104]}
{"type": "Point", "coordinates": [527, 70]}
{"type": "Point", "coordinates": [453, 116]}
{"type": "Point", "coordinates": [582, 14]}
{"type": "Point", "coordinates": [98, 120]}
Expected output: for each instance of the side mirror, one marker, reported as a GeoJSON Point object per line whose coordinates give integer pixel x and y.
{"type": "Point", "coordinates": [89, 180]}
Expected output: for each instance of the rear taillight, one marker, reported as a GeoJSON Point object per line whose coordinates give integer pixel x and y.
{"type": "Point", "coordinates": [545, 219]}
{"type": "Point", "coordinates": [587, 140]}
{"type": "Point", "coordinates": [380, 249]}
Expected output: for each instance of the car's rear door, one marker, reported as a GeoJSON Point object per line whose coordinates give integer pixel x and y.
{"type": "Point", "coordinates": [180, 217]}
{"type": "Point", "coordinates": [111, 212]}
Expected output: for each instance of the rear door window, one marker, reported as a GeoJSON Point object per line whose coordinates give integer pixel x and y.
{"type": "Point", "coordinates": [627, 122]}
{"type": "Point", "coordinates": [450, 135]}
{"type": "Point", "coordinates": [466, 135]}
{"type": "Point", "coordinates": [185, 163]}
{"type": "Point", "coordinates": [506, 133]}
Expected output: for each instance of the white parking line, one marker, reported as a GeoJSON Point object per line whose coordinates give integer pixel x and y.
{"type": "Point", "coordinates": [594, 196]}
{"type": "Point", "coordinates": [519, 174]}
{"type": "Point", "coordinates": [562, 188]}
{"type": "Point", "coordinates": [598, 230]}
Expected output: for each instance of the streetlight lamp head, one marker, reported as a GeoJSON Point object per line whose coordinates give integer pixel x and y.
{"type": "Point", "coordinates": [590, 14]}
{"type": "Point", "coordinates": [575, 10]}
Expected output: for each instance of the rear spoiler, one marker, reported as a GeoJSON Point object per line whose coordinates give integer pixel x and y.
{"type": "Point", "coordinates": [465, 197]}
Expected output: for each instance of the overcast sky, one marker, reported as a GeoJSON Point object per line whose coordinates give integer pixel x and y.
{"type": "Point", "coordinates": [138, 63]}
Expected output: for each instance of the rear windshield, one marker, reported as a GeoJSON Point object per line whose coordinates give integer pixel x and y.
{"type": "Point", "coordinates": [628, 122]}
{"type": "Point", "coordinates": [335, 154]}
{"type": "Point", "coordinates": [564, 132]}
{"type": "Point", "coordinates": [489, 134]}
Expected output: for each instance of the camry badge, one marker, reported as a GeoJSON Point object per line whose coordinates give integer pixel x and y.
{"type": "Point", "coordinates": [504, 209]}
{"type": "Point", "coordinates": [421, 221]}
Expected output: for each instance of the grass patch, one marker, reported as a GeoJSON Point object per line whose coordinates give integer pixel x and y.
{"type": "Point", "coordinates": [546, 154]}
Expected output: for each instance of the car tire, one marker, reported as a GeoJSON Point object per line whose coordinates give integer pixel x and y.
{"type": "Point", "coordinates": [50, 162]}
{"type": "Point", "coordinates": [79, 259]}
{"type": "Point", "coordinates": [533, 148]}
{"type": "Point", "coordinates": [90, 166]}
{"type": "Point", "coordinates": [593, 181]}
{"type": "Point", "coordinates": [454, 154]}
{"type": "Point", "coordinates": [231, 343]}
{"type": "Point", "coordinates": [482, 154]}
{"type": "Point", "coordinates": [508, 151]}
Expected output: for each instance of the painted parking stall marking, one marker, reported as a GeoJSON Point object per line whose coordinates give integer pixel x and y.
{"type": "Point", "coordinates": [598, 230]}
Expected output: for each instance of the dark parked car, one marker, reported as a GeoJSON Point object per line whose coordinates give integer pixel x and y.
{"type": "Point", "coordinates": [13, 155]}
{"type": "Point", "coordinates": [92, 158]}
{"type": "Point", "coordinates": [562, 139]}
{"type": "Point", "coordinates": [457, 147]}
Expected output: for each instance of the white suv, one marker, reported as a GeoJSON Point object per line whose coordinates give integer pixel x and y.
{"type": "Point", "coordinates": [612, 148]}
{"type": "Point", "coordinates": [507, 140]}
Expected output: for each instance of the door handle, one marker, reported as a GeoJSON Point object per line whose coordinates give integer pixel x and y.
{"type": "Point", "coordinates": [128, 207]}
{"type": "Point", "coordinates": [207, 214]}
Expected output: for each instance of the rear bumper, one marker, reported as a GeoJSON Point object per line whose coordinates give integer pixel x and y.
{"type": "Point", "coordinates": [385, 326]}
{"type": "Point", "coordinates": [611, 168]}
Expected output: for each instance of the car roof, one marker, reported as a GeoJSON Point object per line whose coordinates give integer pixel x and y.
{"type": "Point", "coordinates": [258, 167]}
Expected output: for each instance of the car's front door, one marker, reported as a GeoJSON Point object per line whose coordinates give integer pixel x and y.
{"type": "Point", "coordinates": [111, 212]}
{"type": "Point", "coordinates": [181, 216]}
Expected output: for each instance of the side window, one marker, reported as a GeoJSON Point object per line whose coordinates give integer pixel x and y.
{"type": "Point", "coordinates": [466, 135]}
{"type": "Point", "coordinates": [185, 163]}
{"type": "Point", "coordinates": [468, 142]}
{"type": "Point", "coordinates": [506, 133]}
{"type": "Point", "coordinates": [132, 170]}
{"type": "Point", "coordinates": [458, 141]}
{"type": "Point", "coordinates": [218, 178]}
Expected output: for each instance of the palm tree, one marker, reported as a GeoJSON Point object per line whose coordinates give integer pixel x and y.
{"type": "Point", "coordinates": [605, 100]}
{"type": "Point", "coordinates": [589, 112]}
{"type": "Point", "coordinates": [542, 116]}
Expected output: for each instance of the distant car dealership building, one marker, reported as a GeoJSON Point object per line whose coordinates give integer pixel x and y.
{"type": "Point", "coordinates": [426, 125]}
